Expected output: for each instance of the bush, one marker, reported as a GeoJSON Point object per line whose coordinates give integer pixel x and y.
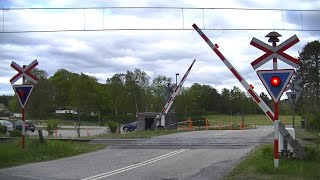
{"type": "Point", "coordinates": [113, 126]}
{"type": "Point", "coordinates": [15, 133]}
{"type": "Point", "coordinates": [313, 121]}
{"type": "Point", "coordinates": [52, 125]}
{"type": "Point", "coordinates": [3, 129]}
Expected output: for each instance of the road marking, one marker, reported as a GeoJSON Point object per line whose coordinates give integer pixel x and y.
{"type": "Point", "coordinates": [124, 169]}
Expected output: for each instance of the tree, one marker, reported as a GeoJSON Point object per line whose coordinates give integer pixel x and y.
{"type": "Point", "coordinates": [309, 103]}
{"type": "Point", "coordinates": [83, 94]}
{"type": "Point", "coordinates": [309, 72]}
{"type": "Point", "coordinates": [136, 85]}
{"type": "Point", "coordinates": [226, 104]}
{"type": "Point", "coordinates": [40, 102]}
{"type": "Point", "coordinates": [115, 88]}
{"type": "Point", "coordinates": [62, 82]}
{"type": "Point", "coordinates": [159, 92]}
{"type": "Point", "coordinates": [14, 104]}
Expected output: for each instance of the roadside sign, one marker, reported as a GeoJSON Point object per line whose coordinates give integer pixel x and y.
{"type": "Point", "coordinates": [23, 93]}
{"type": "Point", "coordinates": [295, 86]}
{"type": "Point", "coordinates": [293, 96]}
{"type": "Point", "coordinates": [275, 52]}
{"type": "Point", "coordinates": [275, 81]}
{"type": "Point", "coordinates": [24, 72]}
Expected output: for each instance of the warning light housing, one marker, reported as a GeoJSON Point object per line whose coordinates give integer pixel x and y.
{"type": "Point", "coordinates": [275, 81]}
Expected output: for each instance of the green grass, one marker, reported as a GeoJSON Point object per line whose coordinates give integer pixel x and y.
{"type": "Point", "coordinates": [140, 134]}
{"type": "Point", "coordinates": [11, 153]}
{"type": "Point", "coordinates": [259, 165]}
{"type": "Point", "coordinates": [258, 119]}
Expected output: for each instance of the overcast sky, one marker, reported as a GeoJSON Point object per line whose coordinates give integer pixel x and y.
{"type": "Point", "coordinates": [158, 52]}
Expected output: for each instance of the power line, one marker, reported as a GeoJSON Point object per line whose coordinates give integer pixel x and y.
{"type": "Point", "coordinates": [163, 29]}
{"type": "Point", "coordinates": [160, 7]}
{"type": "Point", "coordinates": [102, 9]}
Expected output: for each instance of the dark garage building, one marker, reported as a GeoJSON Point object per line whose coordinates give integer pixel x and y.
{"type": "Point", "coordinates": [145, 120]}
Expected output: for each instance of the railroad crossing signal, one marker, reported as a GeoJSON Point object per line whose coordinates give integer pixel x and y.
{"type": "Point", "coordinates": [275, 52]}
{"type": "Point", "coordinates": [295, 86]}
{"type": "Point", "coordinates": [293, 96]}
{"type": "Point", "coordinates": [23, 93]}
{"type": "Point", "coordinates": [275, 81]}
{"type": "Point", "coordinates": [296, 89]}
{"type": "Point", "coordinates": [24, 72]}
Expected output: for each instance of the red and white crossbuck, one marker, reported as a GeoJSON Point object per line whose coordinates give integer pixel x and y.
{"type": "Point", "coordinates": [24, 72]}
{"type": "Point", "coordinates": [275, 52]}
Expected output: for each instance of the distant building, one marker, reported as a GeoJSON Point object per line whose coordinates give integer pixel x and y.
{"type": "Point", "coordinates": [65, 111]}
{"type": "Point", "coordinates": [16, 114]}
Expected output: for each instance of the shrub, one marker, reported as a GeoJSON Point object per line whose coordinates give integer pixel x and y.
{"type": "Point", "coordinates": [52, 125]}
{"type": "Point", "coordinates": [3, 129]}
{"type": "Point", "coordinates": [15, 133]}
{"type": "Point", "coordinates": [313, 121]}
{"type": "Point", "coordinates": [113, 126]}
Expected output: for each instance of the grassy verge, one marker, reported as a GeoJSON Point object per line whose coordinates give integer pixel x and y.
{"type": "Point", "coordinates": [258, 119]}
{"type": "Point", "coordinates": [259, 165]}
{"type": "Point", "coordinates": [11, 153]}
{"type": "Point", "coordinates": [140, 134]}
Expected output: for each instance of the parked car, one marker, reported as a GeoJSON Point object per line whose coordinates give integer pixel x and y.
{"type": "Point", "coordinates": [130, 127]}
{"type": "Point", "coordinates": [28, 126]}
{"type": "Point", "coordinates": [8, 124]}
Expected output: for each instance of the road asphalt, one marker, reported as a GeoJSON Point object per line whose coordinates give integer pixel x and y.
{"type": "Point", "coordinates": [190, 155]}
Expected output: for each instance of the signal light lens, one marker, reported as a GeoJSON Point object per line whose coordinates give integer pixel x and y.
{"type": "Point", "coordinates": [275, 81]}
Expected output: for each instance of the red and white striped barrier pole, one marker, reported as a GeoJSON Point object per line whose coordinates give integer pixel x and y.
{"type": "Point", "coordinates": [276, 121]}
{"type": "Point", "coordinates": [276, 135]}
{"type": "Point", "coordinates": [272, 116]}
{"type": "Point", "coordinates": [243, 82]}
{"type": "Point", "coordinates": [23, 129]}
{"type": "Point", "coordinates": [170, 100]}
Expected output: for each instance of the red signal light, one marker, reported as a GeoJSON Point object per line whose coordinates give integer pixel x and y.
{"type": "Point", "coordinates": [275, 81]}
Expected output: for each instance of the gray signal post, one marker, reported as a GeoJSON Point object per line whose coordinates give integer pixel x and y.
{"type": "Point", "coordinates": [293, 96]}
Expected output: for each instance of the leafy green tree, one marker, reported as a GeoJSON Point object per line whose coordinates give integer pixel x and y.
{"type": "Point", "coordinates": [62, 82]}
{"type": "Point", "coordinates": [136, 85]}
{"type": "Point", "coordinates": [116, 91]}
{"type": "Point", "coordinates": [159, 91]}
{"type": "Point", "coordinates": [309, 72]}
{"type": "Point", "coordinates": [84, 93]}
{"type": "Point", "coordinates": [14, 104]}
{"type": "Point", "coordinates": [40, 102]}
{"type": "Point", "coordinates": [226, 107]}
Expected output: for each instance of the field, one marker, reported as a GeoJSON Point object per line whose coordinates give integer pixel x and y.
{"type": "Point", "coordinates": [258, 119]}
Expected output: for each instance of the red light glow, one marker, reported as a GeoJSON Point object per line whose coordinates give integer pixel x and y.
{"type": "Point", "coordinates": [275, 81]}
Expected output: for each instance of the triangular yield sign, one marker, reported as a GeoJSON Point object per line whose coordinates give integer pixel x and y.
{"type": "Point", "coordinates": [282, 77]}
{"type": "Point", "coordinates": [23, 93]}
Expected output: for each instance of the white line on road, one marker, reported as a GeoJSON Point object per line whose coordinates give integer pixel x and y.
{"type": "Point", "coordinates": [124, 169]}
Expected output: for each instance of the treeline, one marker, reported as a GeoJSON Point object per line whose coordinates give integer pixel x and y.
{"type": "Point", "coordinates": [124, 94]}
{"type": "Point", "coordinates": [127, 93]}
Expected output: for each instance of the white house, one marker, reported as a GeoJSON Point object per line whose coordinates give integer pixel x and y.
{"type": "Point", "coordinates": [65, 111]}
